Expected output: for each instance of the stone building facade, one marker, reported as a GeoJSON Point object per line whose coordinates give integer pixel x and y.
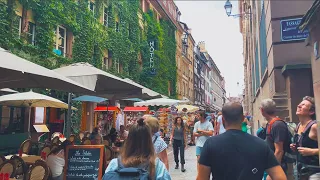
{"type": "Point", "coordinates": [276, 61]}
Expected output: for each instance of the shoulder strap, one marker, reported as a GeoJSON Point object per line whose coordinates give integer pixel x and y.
{"type": "Point", "coordinates": [309, 126]}
{"type": "Point", "coordinates": [120, 165]}
{"type": "Point", "coordinates": [297, 128]}
{"type": "Point", "coordinates": [271, 123]}
{"type": "Point", "coordinates": [155, 139]}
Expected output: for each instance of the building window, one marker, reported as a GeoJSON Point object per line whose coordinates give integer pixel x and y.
{"type": "Point", "coordinates": [31, 33]}
{"type": "Point", "coordinates": [117, 65]}
{"type": "Point", "coordinates": [105, 64]}
{"type": "Point", "coordinates": [105, 16]}
{"type": "Point", "coordinates": [60, 41]}
{"type": "Point", "coordinates": [117, 27]}
{"type": "Point", "coordinates": [17, 26]}
{"type": "Point", "coordinates": [91, 6]}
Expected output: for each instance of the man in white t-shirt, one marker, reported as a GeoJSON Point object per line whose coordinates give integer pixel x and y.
{"type": "Point", "coordinates": [220, 127]}
{"type": "Point", "coordinates": [203, 129]}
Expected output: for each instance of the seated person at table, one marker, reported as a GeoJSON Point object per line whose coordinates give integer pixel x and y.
{"type": "Point", "coordinates": [95, 131]}
{"type": "Point", "coordinates": [97, 140]}
{"type": "Point", "coordinates": [112, 135]}
{"type": "Point", "coordinates": [56, 160]}
{"type": "Point", "coordinates": [123, 133]}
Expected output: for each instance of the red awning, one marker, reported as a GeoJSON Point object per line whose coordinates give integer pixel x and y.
{"type": "Point", "coordinates": [104, 108]}
{"type": "Point", "coordinates": [136, 109]}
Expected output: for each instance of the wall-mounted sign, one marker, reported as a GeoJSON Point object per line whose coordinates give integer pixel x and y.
{"type": "Point", "coordinates": [290, 30]}
{"type": "Point", "coordinates": [151, 50]}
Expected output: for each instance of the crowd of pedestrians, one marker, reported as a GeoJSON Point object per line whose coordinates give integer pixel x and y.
{"type": "Point", "coordinates": [224, 148]}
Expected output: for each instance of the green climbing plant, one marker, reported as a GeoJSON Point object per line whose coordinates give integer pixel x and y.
{"type": "Point", "coordinates": [125, 36]}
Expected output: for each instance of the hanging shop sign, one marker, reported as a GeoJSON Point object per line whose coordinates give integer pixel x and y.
{"type": "Point", "coordinates": [151, 50]}
{"type": "Point", "coordinates": [290, 30]}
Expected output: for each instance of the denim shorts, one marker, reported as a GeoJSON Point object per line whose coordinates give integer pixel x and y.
{"type": "Point", "coordinates": [198, 150]}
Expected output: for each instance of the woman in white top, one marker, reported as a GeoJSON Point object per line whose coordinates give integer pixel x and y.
{"type": "Point", "coordinates": [160, 146]}
{"type": "Point", "coordinates": [56, 160]}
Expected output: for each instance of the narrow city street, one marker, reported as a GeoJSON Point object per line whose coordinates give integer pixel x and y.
{"type": "Point", "coordinates": [191, 165]}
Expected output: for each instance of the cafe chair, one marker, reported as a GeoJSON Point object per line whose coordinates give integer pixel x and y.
{"type": "Point", "coordinates": [8, 167]}
{"type": "Point", "coordinates": [26, 146]}
{"type": "Point", "coordinates": [81, 135]}
{"type": "Point", "coordinates": [106, 142]}
{"type": "Point", "coordinates": [21, 167]}
{"type": "Point", "coordinates": [2, 159]}
{"type": "Point", "coordinates": [56, 134]}
{"type": "Point", "coordinates": [38, 171]}
{"type": "Point", "coordinates": [72, 138]}
{"type": "Point", "coordinates": [87, 134]}
{"type": "Point", "coordinates": [55, 140]}
{"type": "Point", "coordinates": [46, 149]}
{"type": "Point", "coordinates": [86, 141]}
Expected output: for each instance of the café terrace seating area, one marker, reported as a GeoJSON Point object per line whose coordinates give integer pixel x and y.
{"type": "Point", "coordinates": [28, 162]}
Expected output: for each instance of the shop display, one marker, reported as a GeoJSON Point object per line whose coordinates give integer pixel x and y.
{"type": "Point", "coordinates": [105, 122]}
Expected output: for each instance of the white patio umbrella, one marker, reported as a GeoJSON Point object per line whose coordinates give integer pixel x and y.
{"type": "Point", "coordinates": [31, 99]}
{"type": "Point", "coordinates": [189, 108]}
{"type": "Point", "coordinates": [16, 72]}
{"type": "Point", "coordinates": [159, 102]}
{"type": "Point", "coordinates": [104, 84]}
{"type": "Point", "coordinates": [146, 92]}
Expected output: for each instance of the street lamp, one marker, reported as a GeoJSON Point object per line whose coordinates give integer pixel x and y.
{"type": "Point", "coordinates": [228, 8]}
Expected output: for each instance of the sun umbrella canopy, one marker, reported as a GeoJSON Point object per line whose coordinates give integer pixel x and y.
{"type": "Point", "coordinates": [87, 98]}
{"type": "Point", "coordinates": [104, 84]}
{"type": "Point", "coordinates": [146, 92]}
{"type": "Point", "coordinates": [31, 99]}
{"type": "Point", "coordinates": [16, 72]}
{"type": "Point", "coordinates": [189, 108]}
{"type": "Point", "coordinates": [7, 90]}
{"type": "Point", "coordinates": [158, 102]}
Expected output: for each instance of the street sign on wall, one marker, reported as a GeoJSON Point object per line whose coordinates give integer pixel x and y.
{"type": "Point", "coordinates": [290, 30]}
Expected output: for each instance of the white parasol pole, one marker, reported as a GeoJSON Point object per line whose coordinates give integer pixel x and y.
{"type": "Point", "coordinates": [29, 121]}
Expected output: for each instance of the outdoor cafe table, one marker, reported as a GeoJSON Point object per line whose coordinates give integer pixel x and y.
{"type": "Point", "coordinates": [28, 159]}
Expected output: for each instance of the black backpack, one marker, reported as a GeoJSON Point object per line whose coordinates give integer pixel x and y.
{"type": "Point", "coordinates": [289, 155]}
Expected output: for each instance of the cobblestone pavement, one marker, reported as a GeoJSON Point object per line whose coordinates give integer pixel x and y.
{"type": "Point", "coordinates": [190, 166]}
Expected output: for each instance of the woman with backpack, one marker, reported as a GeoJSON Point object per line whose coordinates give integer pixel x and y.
{"type": "Point", "coordinates": [137, 158]}
{"type": "Point", "coordinates": [179, 141]}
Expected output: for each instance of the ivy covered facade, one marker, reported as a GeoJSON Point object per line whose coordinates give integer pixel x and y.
{"type": "Point", "coordinates": [112, 35]}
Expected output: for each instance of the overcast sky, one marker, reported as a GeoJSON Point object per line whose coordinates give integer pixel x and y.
{"type": "Point", "coordinates": [222, 37]}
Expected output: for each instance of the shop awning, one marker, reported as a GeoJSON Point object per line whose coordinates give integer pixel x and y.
{"type": "Point", "coordinates": [105, 108]}
{"type": "Point", "coordinates": [136, 109]}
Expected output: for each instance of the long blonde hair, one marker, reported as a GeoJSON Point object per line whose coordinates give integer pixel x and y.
{"type": "Point", "coordinates": [138, 148]}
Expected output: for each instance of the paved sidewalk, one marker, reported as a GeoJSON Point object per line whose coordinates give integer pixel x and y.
{"type": "Point", "coordinates": [190, 166]}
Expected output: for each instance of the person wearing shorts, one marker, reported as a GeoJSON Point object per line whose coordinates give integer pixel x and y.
{"type": "Point", "coordinates": [203, 129]}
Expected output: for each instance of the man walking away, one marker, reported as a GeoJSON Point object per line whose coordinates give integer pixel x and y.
{"type": "Point", "coordinates": [203, 129]}
{"type": "Point", "coordinates": [220, 128]}
{"type": "Point", "coordinates": [237, 155]}
{"type": "Point", "coordinates": [277, 134]}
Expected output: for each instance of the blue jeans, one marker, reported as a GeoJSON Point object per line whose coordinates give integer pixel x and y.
{"type": "Point", "coordinates": [198, 150]}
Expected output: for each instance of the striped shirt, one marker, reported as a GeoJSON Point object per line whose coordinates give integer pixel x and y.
{"type": "Point", "coordinates": [159, 145]}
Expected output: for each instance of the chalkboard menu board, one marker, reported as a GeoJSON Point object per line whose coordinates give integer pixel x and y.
{"type": "Point", "coordinates": [84, 162]}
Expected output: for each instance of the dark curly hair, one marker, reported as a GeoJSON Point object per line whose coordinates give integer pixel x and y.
{"type": "Point", "coordinates": [176, 121]}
